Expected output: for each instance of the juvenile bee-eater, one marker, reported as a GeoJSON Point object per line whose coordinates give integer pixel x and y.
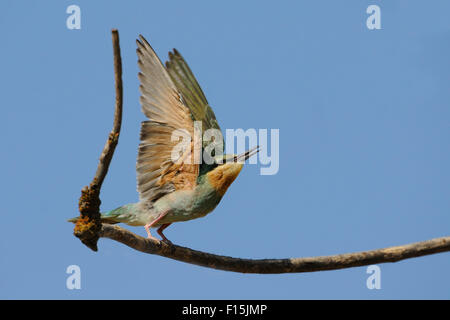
{"type": "Point", "coordinates": [173, 191]}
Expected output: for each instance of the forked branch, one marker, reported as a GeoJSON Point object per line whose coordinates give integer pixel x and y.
{"type": "Point", "coordinates": [88, 226]}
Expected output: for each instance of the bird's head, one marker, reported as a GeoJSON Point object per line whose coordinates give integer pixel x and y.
{"type": "Point", "coordinates": [227, 168]}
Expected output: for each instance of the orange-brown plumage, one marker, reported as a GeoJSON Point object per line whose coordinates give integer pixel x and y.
{"type": "Point", "coordinates": [223, 176]}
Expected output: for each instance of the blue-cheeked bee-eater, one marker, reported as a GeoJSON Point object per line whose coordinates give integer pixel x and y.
{"type": "Point", "coordinates": [172, 191]}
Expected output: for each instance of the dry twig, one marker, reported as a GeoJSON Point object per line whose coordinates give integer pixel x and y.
{"type": "Point", "coordinates": [88, 226]}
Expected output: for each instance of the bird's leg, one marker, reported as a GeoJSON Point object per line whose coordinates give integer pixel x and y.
{"type": "Point", "coordinates": [151, 224]}
{"type": "Point", "coordinates": [149, 235]}
{"type": "Point", "coordinates": [160, 232]}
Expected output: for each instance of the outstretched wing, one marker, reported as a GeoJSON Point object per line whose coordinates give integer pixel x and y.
{"type": "Point", "coordinates": [193, 95]}
{"type": "Point", "coordinates": [157, 173]}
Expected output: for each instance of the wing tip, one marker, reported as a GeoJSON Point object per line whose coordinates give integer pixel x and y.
{"type": "Point", "coordinates": [139, 43]}
{"type": "Point", "coordinates": [142, 39]}
{"type": "Point", "coordinates": [143, 43]}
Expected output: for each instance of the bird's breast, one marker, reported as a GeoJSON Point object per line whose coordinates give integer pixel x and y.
{"type": "Point", "coordinates": [183, 205]}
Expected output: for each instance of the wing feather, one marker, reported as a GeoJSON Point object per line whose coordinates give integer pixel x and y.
{"type": "Point", "coordinates": [191, 92]}
{"type": "Point", "coordinates": [161, 100]}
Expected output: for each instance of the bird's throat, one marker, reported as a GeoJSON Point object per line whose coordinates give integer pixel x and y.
{"type": "Point", "coordinates": [222, 177]}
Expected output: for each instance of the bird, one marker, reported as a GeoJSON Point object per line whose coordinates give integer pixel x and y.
{"type": "Point", "coordinates": [173, 191]}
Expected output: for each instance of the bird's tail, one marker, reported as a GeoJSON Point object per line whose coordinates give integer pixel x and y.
{"type": "Point", "coordinates": [112, 217]}
{"type": "Point", "coordinates": [103, 219]}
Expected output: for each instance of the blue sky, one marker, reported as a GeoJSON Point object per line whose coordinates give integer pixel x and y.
{"type": "Point", "coordinates": [364, 122]}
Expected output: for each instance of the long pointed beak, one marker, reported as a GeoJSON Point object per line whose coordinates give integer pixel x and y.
{"type": "Point", "coordinates": [244, 156]}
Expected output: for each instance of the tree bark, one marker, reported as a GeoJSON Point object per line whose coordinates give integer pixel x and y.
{"type": "Point", "coordinates": [267, 266]}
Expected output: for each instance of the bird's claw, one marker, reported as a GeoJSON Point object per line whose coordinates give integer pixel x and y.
{"type": "Point", "coordinates": [167, 241]}
{"type": "Point", "coordinates": [152, 238]}
{"type": "Point", "coordinates": [164, 240]}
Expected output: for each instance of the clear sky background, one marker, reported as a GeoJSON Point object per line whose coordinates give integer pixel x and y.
{"type": "Point", "coordinates": [364, 120]}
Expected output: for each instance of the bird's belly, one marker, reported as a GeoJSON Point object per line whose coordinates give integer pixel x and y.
{"type": "Point", "coordinates": [185, 205]}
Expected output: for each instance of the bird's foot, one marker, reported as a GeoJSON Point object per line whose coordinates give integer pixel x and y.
{"type": "Point", "coordinates": [160, 232]}
{"type": "Point", "coordinates": [167, 241]}
{"type": "Point", "coordinates": [153, 238]}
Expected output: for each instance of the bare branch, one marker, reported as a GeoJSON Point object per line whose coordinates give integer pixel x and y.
{"type": "Point", "coordinates": [265, 266]}
{"type": "Point", "coordinates": [89, 225]}
{"type": "Point", "coordinates": [113, 139]}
